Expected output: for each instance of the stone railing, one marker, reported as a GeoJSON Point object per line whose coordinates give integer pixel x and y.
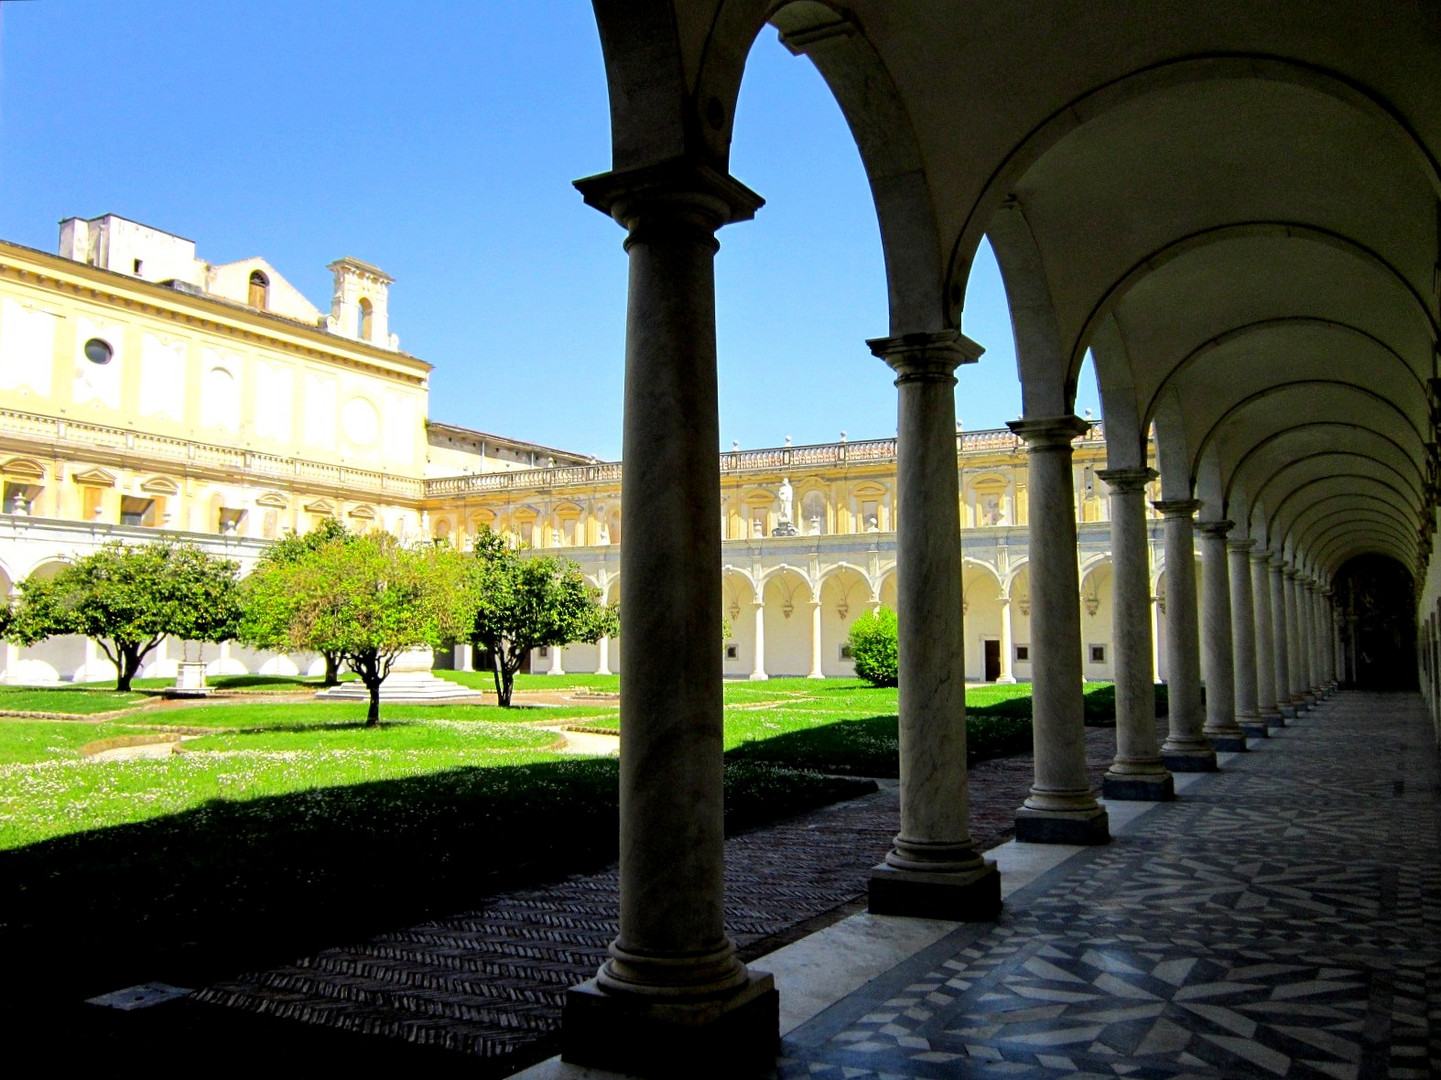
{"type": "Point", "coordinates": [160, 448]}
{"type": "Point", "coordinates": [732, 462]}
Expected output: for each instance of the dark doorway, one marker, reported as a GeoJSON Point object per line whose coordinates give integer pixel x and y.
{"type": "Point", "coordinates": [993, 659]}
{"type": "Point", "coordinates": [1376, 596]}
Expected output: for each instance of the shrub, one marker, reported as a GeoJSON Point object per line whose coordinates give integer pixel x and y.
{"type": "Point", "coordinates": [873, 647]}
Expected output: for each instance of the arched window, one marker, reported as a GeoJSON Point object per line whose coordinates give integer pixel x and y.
{"type": "Point", "coordinates": [366, 313]}
{"type": "Point", "coordinates": [259, 290]}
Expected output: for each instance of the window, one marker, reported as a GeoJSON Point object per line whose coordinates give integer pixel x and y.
{"type": "Point", "coordinates": [733, 651]}
{"type": "Point", "coordinates": [259, 291]}
{"type": "Point", "coordinates": [845, 652]}
{"type": "Point", "coordinates": [1098, 654]}
{"type": "Point", "coordinates": [367, 314]}
{"type": "Point", "coordinates": [135, 511]}
{"type": "Point", "coordinates": [139, 266]}
{"type": "Point", "coordinates": [98, 351]}
{"type": "Point", "coordinates": [1023, 654]}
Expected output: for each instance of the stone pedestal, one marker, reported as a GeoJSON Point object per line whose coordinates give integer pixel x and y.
{"type": "Point", "coordinates": [189, 681]}
{"type": "Point", "coordinates": [737, 1035]}
{"type": "Point", "coordinates": [673, 989]}
{"type": "Point", "coordinates": [410, 679]}
{"type": "Point", "coordinates": [1061, 808]}
{"type": "Point", "coordinates": [1185, 748]}
{"type": "Point", "coordinates": [1137, 773]}
{"type": "Point", "coordinates": [933, 868]}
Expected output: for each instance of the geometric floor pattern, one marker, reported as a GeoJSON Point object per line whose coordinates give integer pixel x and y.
{"type": "Point", "coordinates": [1281, 919]}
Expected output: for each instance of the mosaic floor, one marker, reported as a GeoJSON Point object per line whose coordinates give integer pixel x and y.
{"type": "Point", "coordinates": [1283, 919]}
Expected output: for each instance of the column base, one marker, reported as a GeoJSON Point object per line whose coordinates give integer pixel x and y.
{"type": "Point", "coordinates": [965, 896]}
{"type": "Point", "coordinates": [1189, 760]}
{"type": "Point", "coordinates": [1087, 827]}
{"type": "Point", "coordinates": [758, 676]}
{"type": "Point", "coordinates": [1006, 680]}
{"type": "Point", "coordinates": [1287, 711]}
{"type": "Point", "coordinates": [1124, 788]}
{"type": "Point", "coordinates": [737, 1035]}
{"type": "Point", "coordinates": [1228, 742]}
{"type": "Point", "coordinates": [1273, 721]}
{"type": "Point", "coordinates": [1255, 729]}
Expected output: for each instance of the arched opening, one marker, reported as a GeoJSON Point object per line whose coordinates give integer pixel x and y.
{"type": "Point", "coordinates": [367, 314]}
{"type": "Point", "coordinates": [259, 291]}
{"type": "Point", "coordinates": [1378, 626]}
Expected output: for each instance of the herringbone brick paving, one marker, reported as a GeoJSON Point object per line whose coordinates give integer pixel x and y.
{"type": "Point", "coordinates": [491, 982]}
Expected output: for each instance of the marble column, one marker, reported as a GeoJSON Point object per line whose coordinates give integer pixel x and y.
{"type": "Point", "coordinates": [1061, 808]}
{"type": "Point", "coordinates": [1186, 748]}
{"type": "Point", "coordinates": [1156, 614]}
{"type": "Point", "coordinates": [933, 868]}
{"type": "Point", "coordinates": [557, 660]}
{"type": "Point", "coordinates": [1295, 680]}
{"type": "Point", "coordinates": [816, 672]}
{"type": "Point", "coordinates": [464, 656]}
{"type": "Point", "coordinates": [758, 669]}
{"type": "Point", "coordinates": [602, 656]}
{"type": "Point", "coordinates": [1265, 645]}
{"type": "Point", "coordinates": [1008, 648]}
{"type": "Point", "coordinates": [1280, 638]}
{"type": "Point", "coordinates": [1137, 772]}
{"type": "Point", "coordinates": [673, 987]}
{"type": "Point", "coordinates": [1304, 632]}
{"type": "Point", "coordinates": [1243, 639]}
{"type": "Point", "coordinates": [1218, 664]}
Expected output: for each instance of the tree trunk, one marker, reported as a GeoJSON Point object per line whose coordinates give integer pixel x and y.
{"type": "Point", "coordinates": [506, 685]}
{"type": "Point", "coordinates": [372, 716]}
{"type": "Point", "coordinates": [332, 669]}
{"type": "Point", "coordinates": [127, 662]}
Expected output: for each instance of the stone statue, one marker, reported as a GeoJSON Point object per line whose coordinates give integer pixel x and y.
{"type": "Point", "coordinates": [784, 524]}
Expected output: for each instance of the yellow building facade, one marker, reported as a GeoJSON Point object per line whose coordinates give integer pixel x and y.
{"type": "Point", "coordinates": [143, 389]}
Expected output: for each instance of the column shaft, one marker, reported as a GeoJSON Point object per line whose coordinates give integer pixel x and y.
{"type": "Point", "coordinates": [602, 656]}
{"type": "Point", "coordinates": [1061, 807]}
{"type": "Point", "coordinates": [1137, 772]}
{"type": "Point", "coordinates": [758, 669]}
{"type": "Point", "coordinates": [557, 661]}
{"type": "Point", "coordinates": [1008, 647]}
{"type": "Point", "coordinates": [1217, 650]}
{"type": "Point", "coordinates": [816, 657]}
{"type": "Point", "coordinates": [1295, 680]}
{"type": "Point", "coordinates": [1186, 748]}
{"type": "Point", "coordinates": [1243, 639]}
{"type": "Point", "coordinates": [1265, 647]}
{"type": "Point", "coordinates": [1280, 639]}
{"type": "Point", "coordinates": [933, 867]}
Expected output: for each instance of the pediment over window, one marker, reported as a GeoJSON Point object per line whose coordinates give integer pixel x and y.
{"type": "Point", "coordinates": [273, 500]}
{"type": "Point", "coordinates": [160, 485]}
{"type": "Point", "coordinates": [363, 513]}
{"type": "Point", "coordinates": [94, 478]}
{"type": "Point", "coordinates": [320, 506]}
{"type": "Point", "coordinates": [23, 469]}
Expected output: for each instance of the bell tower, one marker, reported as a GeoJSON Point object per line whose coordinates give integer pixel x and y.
{"type": "Point", "coordinates": [358, 308]}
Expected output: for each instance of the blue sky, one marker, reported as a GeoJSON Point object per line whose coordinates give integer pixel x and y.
{"type": "Point", "coordinates": [438, 139]}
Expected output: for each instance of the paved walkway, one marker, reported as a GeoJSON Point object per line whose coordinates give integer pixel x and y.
{"type": "Point", "coordinates": [1282, 919]}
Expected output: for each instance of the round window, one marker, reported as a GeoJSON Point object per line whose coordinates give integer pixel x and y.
{"type": "Point", "coordinates": [98, 352]}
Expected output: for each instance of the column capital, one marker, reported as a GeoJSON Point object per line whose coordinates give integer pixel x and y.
{"type": "Point", "coordinates": [926, 357]}
{"type": "Point", "coordinates": [1049, 433]}
{"type": "Point", "coordinates": [1290, 571]}
{"type": "Point", "coordinates": [1127, 479]}
{"type": "Point", "coordinates": [676, 187]}
{"type": "Point", "coordinates": [1005, 601]}
{"type": "Point", "coordinates": [1241, 544]}
{"type": "Point", "coordinates": [1215, 529]}
{"type": "Point", "coordinates": [1277, 561]}
{"type": "Point", "coordinates": [1261, 555]}
{"type": "Point", "coordinates": [1177, 507]}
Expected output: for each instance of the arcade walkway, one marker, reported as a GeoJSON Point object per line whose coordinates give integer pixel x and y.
{"type": "Point", "coordinates": [1282, 919]}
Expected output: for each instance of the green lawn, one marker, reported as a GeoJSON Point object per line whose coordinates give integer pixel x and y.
{"type": "Point", "coordinates": [74, 700]}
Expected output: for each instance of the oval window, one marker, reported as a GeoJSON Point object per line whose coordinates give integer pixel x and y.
{"type": "Point", "coordinates": [98, 352]}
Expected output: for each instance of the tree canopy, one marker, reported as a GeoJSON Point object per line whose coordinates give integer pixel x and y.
{"type": "Point", "coordinates": [523, 601]}
{"type": "Point", "coordinates": [126, 598]}
{"type": "Point", "coordinates": [269, 602]}
{"type": "Point", "coordinates": [365, 598]}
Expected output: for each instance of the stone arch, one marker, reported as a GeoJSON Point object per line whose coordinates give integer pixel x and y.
{"type": "Point", "coordinates": [787, 594]}
{"type": "Point", "coordinates": [981, 618]}
{"type": "Point", "coordinates": [738, 595]}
